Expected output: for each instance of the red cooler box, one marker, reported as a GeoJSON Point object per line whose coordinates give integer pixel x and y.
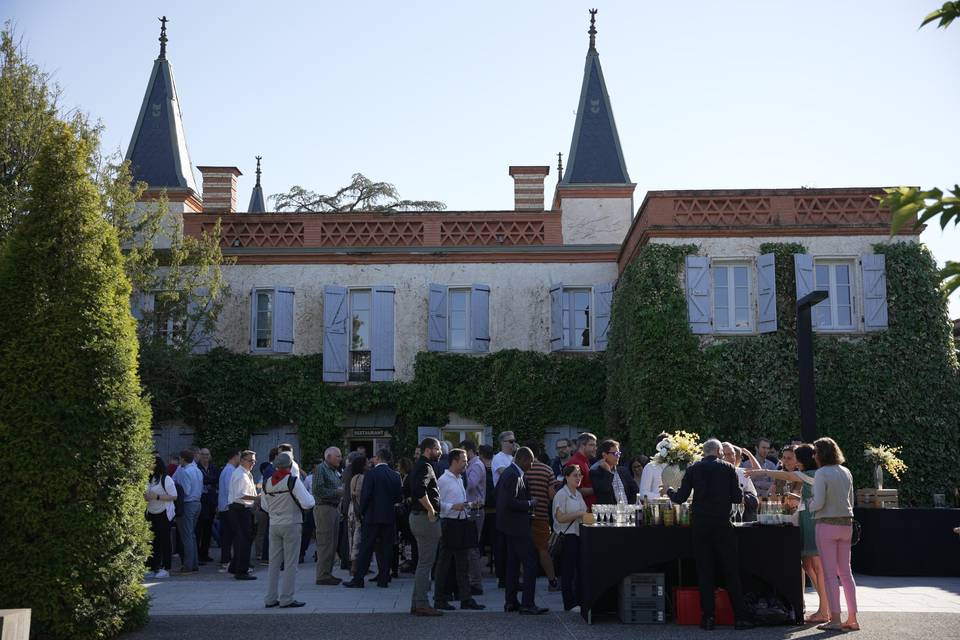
{"type": "Point", "coordinates": [686, 606]}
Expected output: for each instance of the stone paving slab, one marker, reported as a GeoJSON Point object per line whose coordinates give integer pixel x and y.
{"type": "Point", "coordinates": [210, 592]}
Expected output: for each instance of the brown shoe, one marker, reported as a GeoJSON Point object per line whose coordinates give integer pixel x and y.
{"type": "Point", "coordinates": [329, 582]}
{"type": "Point", "coordinates": [427, 612]}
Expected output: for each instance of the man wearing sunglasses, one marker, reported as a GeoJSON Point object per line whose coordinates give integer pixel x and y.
{"type": "Point", "coordinates": [508, 446]}
{"type": "Point", "coordinates": [612, 484]}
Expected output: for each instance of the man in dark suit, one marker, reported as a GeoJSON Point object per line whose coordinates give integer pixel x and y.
{"type": "Point", "coordinates": [378, 499]}
{"type": "Point", "coordinates": [715, 487]}
{"type": "Point", "coordinates": [514, 506]}
{"type": "Point", "coordinates": [612, 483]}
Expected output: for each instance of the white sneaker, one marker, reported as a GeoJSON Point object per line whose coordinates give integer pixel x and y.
{"type": "Point", "coordinates": [223, 568]}
{"type": "Point", "coordinates": [148, 575]}
{"type": "Point", "coordinates": [163, 573]}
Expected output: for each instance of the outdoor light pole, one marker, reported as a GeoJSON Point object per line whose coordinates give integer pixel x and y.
{"type": "Point", "coordinates": [808, 396]}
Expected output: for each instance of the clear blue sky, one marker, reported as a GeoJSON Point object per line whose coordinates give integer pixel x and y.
{"type": "Point", "coordinates": [440, 97]}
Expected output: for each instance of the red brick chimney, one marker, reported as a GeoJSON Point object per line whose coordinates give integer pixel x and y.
{"type": "Point", "coordinates": [219, 189]}
{"type": "Point", "coordinates": [528, 187]}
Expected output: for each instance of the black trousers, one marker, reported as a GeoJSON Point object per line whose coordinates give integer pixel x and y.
{"type": "Point", "coordinates": [451, 561]}
{"type": "Point", "coordinates": [715, 540]}
{"type": "Point", "coordinates": [205, 529]}
{"type": "Point", "coordinates": [570, 571]}
{"type": "Point", "coordinates": [377, 537]}
{"type": "Point", "coordinates": [520, 550]}
{"type": "Point", "coordinates": [500, 555]}
{"type": "Point", "coordinates": [160, 558]}
{"type": "Point", "coordinates": [242, 538]}
{"type": "Point", "coordinates": [226, 537]}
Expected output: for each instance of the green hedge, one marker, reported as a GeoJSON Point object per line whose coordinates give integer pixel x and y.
{"type": "Point", "coordinates": [225, 396]}
{"type": "Point", "coordinates": [74, 430]}
{"type": "Point", "coordinates": [898, 386]}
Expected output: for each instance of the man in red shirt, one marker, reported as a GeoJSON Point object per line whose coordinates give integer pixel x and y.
{"type": "Point", "coordinates": [586, 450]}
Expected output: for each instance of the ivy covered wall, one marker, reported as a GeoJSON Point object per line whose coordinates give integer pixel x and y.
{"type": "Point", "coordinates": [898, 386]}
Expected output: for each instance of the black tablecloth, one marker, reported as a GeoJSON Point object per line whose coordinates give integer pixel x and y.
{"type": "Point", "coordinates": [907, 542]}
{"type": "Point", "coordinates": [609, 554]}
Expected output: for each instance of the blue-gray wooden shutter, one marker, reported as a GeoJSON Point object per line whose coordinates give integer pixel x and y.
{"type": "Point", "coordinates": [283, 314]}
{"type": "Point", "coordinates": [253, 318]}
{"type": "Point", "coordinates": [806, 279]}
{"type": "Point", "coordinates": [698, 294]}
{"type": "Point", "coordinates": [766, 293]}
{"type": "Point", "coordinates": [381, 349]}
{"type": "Point", "coordinates": [874, 271]}
{"type": "Point", "coordinates": [480, 317]}
{"type": "Point", "coordinates": [487, 436]}
{"type": "Point", "coordinates": [602, 300]}
{"type": "Point", "coordinates": [556, 317]}
{"type": "Point", "coordinates": [197, 334]}
{"type": "Point", "coordinates": [336, 337]}
{"type": "Point", "coordinates": [437, 320]}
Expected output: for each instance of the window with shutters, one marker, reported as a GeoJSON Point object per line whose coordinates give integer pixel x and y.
{"type": "Point", "coordinates": [263, 319]}
{"type": "Point", "coordinates": [169, 321]}
{"type": "Point", "coordinates": [458, 319]}
{"type": "Point", "coordinates": [837, 312]}
{"type": "Point", "coordinates": [360, 312]}
{"type": "Point", "coordinates": [576, 318]}
{"type": "Point", "coordinates": [733, 296]}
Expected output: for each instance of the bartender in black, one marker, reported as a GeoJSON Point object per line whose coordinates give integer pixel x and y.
{"type": "Point", "coordinates": [715, 487]}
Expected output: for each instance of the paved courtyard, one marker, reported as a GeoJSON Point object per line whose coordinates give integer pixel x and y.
{"type": "Point", "coordinates": [213, 605]}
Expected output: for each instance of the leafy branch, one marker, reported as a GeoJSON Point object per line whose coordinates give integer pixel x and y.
{"type": "Point", "coordinates": [361, 194]}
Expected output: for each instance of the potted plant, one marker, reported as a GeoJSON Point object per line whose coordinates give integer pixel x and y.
{"type": "Point", "coordinates": [676, 452]}
{"type": "Point", "coordinates": [884, 457]}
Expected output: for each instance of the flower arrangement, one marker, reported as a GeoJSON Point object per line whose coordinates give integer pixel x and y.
{"type": "Point", "coordinates": [886, 457]}
{"type": "Point", "coordinates": [680, 448]}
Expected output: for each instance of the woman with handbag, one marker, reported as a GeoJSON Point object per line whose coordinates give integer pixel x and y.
{"type": "Point", "coordinates": [569, 508]}
{"type": "Point", "coordinates": [160, 496]}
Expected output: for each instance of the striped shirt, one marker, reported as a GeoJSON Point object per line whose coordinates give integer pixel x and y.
{"type": "Point", "coordinates": [538, 479]}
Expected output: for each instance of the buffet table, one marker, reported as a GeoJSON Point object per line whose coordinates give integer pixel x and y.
{"type": "Point", "coordinates": [768, 555]}
{"type": "Point", "coordinates": [907, 542]}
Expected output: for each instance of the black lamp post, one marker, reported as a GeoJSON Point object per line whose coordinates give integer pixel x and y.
{"type": "Point", "coordinates": [808, 395]}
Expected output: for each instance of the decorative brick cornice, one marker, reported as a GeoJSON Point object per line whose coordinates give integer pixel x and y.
{"type": "Point", "coordinates": [757, 212]}
{"type": "Point", "coordinates": [411, 230]}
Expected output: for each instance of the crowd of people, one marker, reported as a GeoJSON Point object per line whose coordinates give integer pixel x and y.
{"type": "Point", "coordinates": [450, 503]}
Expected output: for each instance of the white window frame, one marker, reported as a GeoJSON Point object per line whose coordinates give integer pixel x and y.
{"type": "Point", "coordinates": [256, 318]}
{"type": "Point", "coordinates": [350, 349]}
{"type": "Point", "coordinates": [468, 347]}
{"type": "Point", "coordinates": [853, 264]}
{"type": "Point", "coordinates": [567, 330]}
{"type": "Point", "coordinates": [729, 264]}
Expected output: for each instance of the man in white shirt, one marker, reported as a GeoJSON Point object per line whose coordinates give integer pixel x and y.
{"type": "Point", "coordinates": [284, 498]}
{"type": "Point", "coordinates": [453, 514]}
{"type": "Point", "coordinates": [288, 448]}
{"type": "Point", "coordinates": [508, 445]}
{"type": "Point", "coordinates": [652, 476]}
{"type": "Point", "coordinates": [243, 493]}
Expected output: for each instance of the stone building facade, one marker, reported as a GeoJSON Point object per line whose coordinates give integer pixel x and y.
{"type": "Point", "coordinates": [371, 290]}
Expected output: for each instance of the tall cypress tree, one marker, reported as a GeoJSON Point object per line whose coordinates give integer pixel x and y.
{"type": "Point", "coordinates": [74, 428]}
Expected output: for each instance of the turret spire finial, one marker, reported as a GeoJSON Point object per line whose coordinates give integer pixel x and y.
{"type": "Point", "coordinates": [163, 37]}
{"type": "Point", "coordinates": [259, 158]}
{"type": "Point", "coordinates": [559, 165]}
{"type": "Point", "coordinates": [593, 29]}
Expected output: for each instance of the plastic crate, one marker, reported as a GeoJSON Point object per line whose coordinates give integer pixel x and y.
{"type": "Point", "coordinates": [686, 603]}
{"type": "Point", "coordinates": [643, 585]}
{"type": "Point", "coordinates": [643, 611]}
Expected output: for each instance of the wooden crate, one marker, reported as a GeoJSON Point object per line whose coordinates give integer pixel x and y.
{"type": "Point", "coordinates": [878, 498]}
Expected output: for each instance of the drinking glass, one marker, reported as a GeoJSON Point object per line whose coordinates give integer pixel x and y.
{"type": "Point", "coordinates": [939, 500]}
{"type": "Point", "coordinates": [733, 514]}
{"type": "Point", "coordinates": [740, 508]}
